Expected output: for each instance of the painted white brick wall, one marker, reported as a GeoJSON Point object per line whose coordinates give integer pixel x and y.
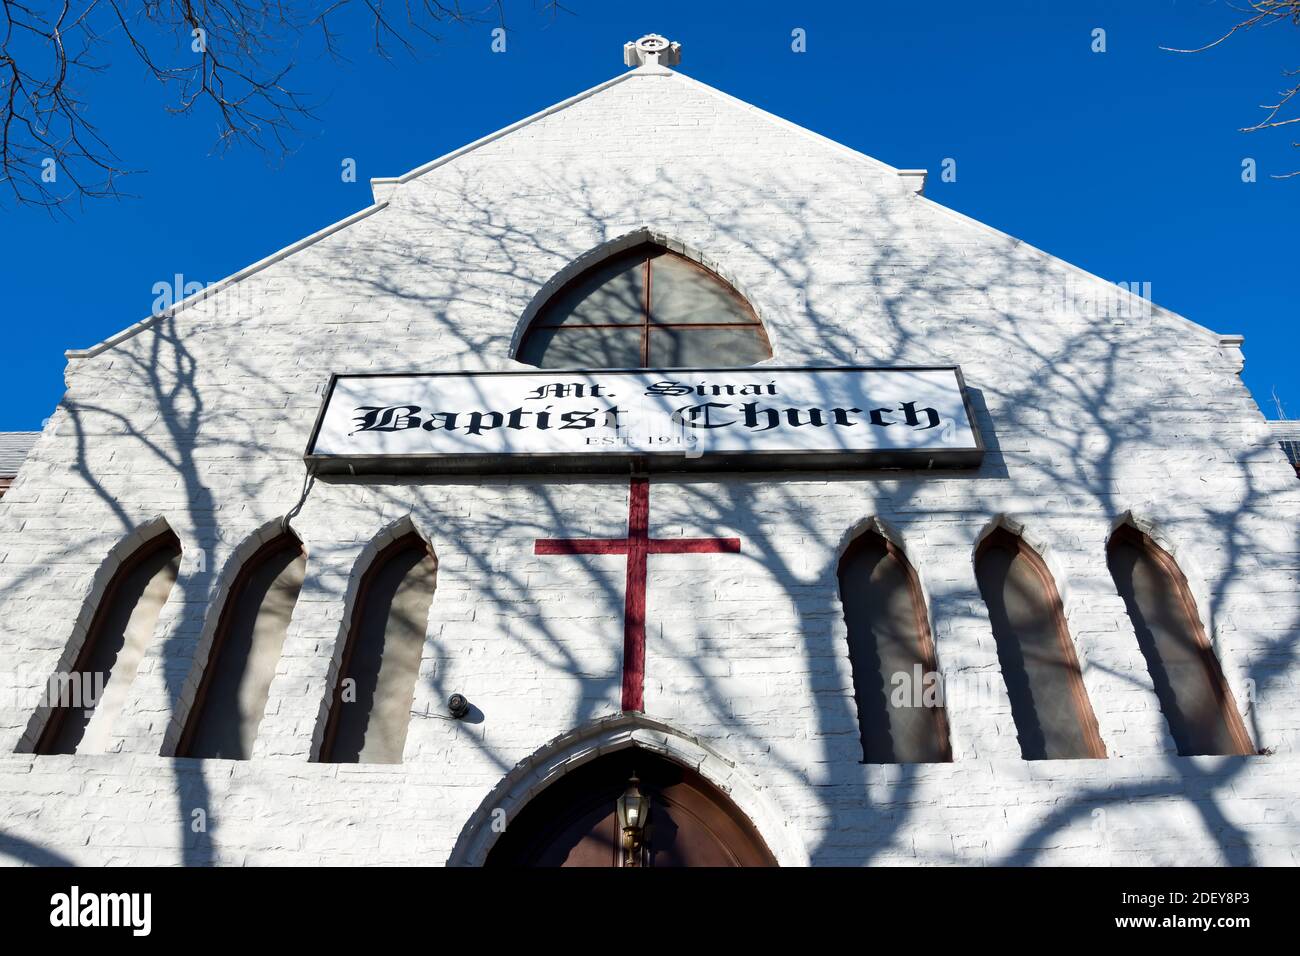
{"type": "Point", "coordinates": [201, 419]}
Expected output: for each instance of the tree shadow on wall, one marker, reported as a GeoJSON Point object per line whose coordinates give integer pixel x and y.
{"type": "Point", "coordinates": [383, 295]}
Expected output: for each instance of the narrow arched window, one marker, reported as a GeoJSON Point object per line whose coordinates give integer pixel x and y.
{"type": "Point", "coordinates": [120, 632]}
{"type": "Point", "coordinates": [232, 694]}
{"type": "Point", "coordinates": [895, 684]}
{"type": "Point", "coordinates": [381, 659]}
{"type": "Point", "coordinates": [1049, 703]}
{"type": "Point", "coordinates": [1188, 680]}
{"type": "Point", "coordinates": [645, 308]}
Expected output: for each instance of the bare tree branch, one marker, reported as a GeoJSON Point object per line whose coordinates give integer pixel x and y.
{"type": "Point", "coordinates": [229, 58]}
{"type": "Point", "coordinates": [1264, 13]}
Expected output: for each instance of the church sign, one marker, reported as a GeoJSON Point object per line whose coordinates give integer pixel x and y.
{"type": "Point", "coordinates": [646, 419]}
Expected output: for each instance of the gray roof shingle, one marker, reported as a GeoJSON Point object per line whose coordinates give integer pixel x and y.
{"type": "Point", "coordinates": [1288, 435]}
{"type": "Point", "coordinates": [14, 447]}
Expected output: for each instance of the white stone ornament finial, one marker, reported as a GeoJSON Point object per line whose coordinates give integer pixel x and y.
{"type": "Point", "coordinates": [652, 50]}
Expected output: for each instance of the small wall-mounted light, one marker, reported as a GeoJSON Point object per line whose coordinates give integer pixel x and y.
{"type": "Point", "coordinates": [458, 704]}
{"type": "Point", "coordinates": [633, 815]}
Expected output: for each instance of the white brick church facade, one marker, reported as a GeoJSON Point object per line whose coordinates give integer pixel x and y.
{"type": "Point", "coordinates": [195, 422]}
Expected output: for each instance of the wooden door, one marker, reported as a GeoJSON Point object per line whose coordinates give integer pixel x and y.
{"type": "Point", "coordinates": [574, 822]}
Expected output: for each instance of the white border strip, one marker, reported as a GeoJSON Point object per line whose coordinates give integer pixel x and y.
{"type": "Point", "coordinates": [379, 204]}
{"type": "Point", "coordinates": [385, 186]}
{"type": "Point", "coordinates": [225, 283]}
{"type": "Point", "coordinates": [506, 130]}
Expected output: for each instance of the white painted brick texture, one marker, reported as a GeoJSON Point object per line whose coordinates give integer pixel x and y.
{"type": "Point", "coordinates": [201, 420]}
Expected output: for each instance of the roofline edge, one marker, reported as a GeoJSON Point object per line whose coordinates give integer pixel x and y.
{"type": "Point", "coordinates": [222, 284]}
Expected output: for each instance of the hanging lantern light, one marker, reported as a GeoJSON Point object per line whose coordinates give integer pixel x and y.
{"type": "Point", "coordinates": [633, 816]}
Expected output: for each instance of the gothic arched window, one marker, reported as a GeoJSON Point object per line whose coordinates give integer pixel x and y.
{"type": "Point", "coordinates": [1049, 703]}
{"type": "Point", "coordinates": [895, 684]}
{"type": "Point", "coordinates": [645, 308]}
{"type": "Point", "coordinates": [231, 697]}
{"type": "Point", "coordinates": [381, 659]}
{"type": "Point", "coordinates": [1188, 681]}
{"type": "Point", "coordinates": [119, 634]}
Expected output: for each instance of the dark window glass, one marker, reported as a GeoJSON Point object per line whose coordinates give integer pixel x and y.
{"type": "Point", "coordinates": [119, 634]}
{"type": "Point", "coordinates": [684, 346]}
{"type": "Point", "coordinates": [611, 293]}
{"type": "Point", "coordinates": [684, 292]}
{"type": "Point", "coordinates": [647, 307]}
{"type": "Point", "coordinates": [895, 685]}
{"type": "Point", "coordinates": [1048, 700]}
{"type": "Point", "coordinates": [1188, 681]}
{"type": "Point", "coordinates": [231, 699]}
{"type": "Point", "coordinates": [369, 717]}
{"type": "Point", "coordinates": [584, 348]}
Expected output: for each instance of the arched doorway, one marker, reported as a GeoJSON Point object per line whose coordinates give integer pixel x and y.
{"type": "Point", "coordinates": [574, 822]}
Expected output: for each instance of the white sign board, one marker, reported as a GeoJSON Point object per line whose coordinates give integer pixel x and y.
{"type": "Point", "coordinates": [657, 420]}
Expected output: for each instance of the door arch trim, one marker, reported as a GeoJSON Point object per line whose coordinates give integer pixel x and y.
{"type": "Point", "coordinates": [570, 750]}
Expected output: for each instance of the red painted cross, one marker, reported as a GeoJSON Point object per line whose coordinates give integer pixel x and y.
{"type": "Point", "coordinates": [637, 545]}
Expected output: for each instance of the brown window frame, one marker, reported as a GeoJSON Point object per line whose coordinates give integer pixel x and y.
{"type": "Point", "coordinates": [1127, 533]}
{"type": "Point", "coordinates": [58, 715]}
{"type": "Point", "coordinates": [377, 563]}
{"type": "Point", "coordinates": [647, 252]}
{"type": "Point", "coordinates": [1003, 537]}
{"type": "Point", "coordinates": [233, 595]}
{"type": "Point", "coordinates": [929, 655]}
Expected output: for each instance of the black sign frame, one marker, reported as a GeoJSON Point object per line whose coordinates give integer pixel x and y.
{"type": "Point", "coordinates": [643, 462]}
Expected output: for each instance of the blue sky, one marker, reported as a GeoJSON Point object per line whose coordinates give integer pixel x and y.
{"type": "Point", "coordinates": [1127, 163]}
